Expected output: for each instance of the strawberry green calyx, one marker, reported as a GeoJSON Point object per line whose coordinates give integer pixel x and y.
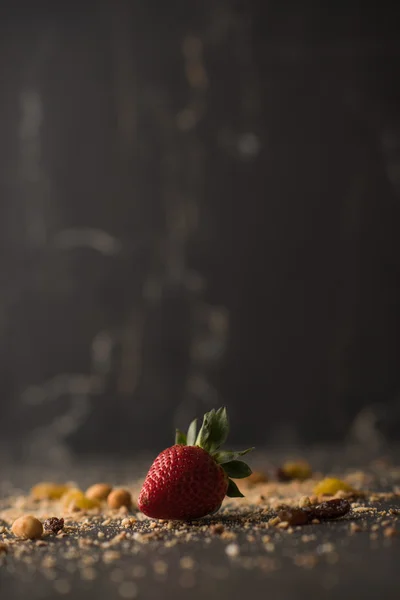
{"type": "Point", "coordinates": [211, 436]}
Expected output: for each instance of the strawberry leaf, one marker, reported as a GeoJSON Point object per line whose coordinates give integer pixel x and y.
{"type": "Point", "coordinates": [233, 490]}
{"type": "Point", "coordinates": [219, 429]}
{"type": "Point", "coordinates": [180, 438]}
{"type": "Point", "coordinates": [192, 433]}
{"type": "Point", "coordinates": [214, 430]}
{"type": "Point", "coordinates": [226, 456]}
{"type": "Point", "coordinates": [237, 469]}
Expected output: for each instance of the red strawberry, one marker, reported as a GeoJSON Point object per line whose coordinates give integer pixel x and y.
{"type": "Point", "coordinates": [191, 479]}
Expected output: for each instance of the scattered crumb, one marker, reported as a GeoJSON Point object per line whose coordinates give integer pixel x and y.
{"type": "Point", "coordinates": [307, 561]}
{"type": "Point", "coordinates": [355, 528]}
{"type": "Point", "coordinates": [186, 562]}
{"type": "Point", "coordinates": [232, 550]}
{"type": "Point", "coordinates": [62, 586]}
{"type": "Point", "coordinates": [390, 532]}
{"type": "Point", "coordinates": [111, 556]}
{"type": "Point", "coordinates": [103, 535]}
{"type": "Point", "coordinates": [218, 528]}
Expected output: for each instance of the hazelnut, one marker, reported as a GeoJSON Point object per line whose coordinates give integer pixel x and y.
{"type": "Point", "coordinates": [118, 498]}
{"type": "Point", "coordinates": [98, 491]}
{"type": "Point", "coordinates": [27, 527]}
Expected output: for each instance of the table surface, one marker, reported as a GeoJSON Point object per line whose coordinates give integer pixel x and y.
{"type": "Point", "coordinates": [329, 562]}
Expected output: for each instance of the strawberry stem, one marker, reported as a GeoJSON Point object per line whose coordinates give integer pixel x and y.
{"type": "Point", "coordinates": [211, 436]}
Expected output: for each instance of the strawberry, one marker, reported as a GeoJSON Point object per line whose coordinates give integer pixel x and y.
{"type": "Point", "coordinates": [190, 479]}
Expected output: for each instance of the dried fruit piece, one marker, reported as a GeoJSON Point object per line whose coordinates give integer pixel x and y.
{"type": "Point", "coordinates": [53, 524]}
{"type": "Point", "coordinates": [300, 470]}
{"type": "Point", "coordinates": [255, 478]}
{"type": "Point", "coordinates": [27, 527]}
{"type": "Point", "coordinates": [46, 490]}
{"type": "Point", "coordinates": [98, 491]}
{"type": "Point", "coordinates": [75, 499]}
{"type": "Point", "coordinates": [294, 516]}
{"type": "Point", "coordinates": [118, 498]}
{"type": "Point", "coordinates": [331, 509]}
{"type": "Point", "coordinates": [330, 486]}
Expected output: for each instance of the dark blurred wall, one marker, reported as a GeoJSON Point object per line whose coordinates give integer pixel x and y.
{"type": "Point", "coordinates": [199, 205]}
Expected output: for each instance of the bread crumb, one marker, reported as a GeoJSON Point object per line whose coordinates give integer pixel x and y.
{"type": "Point", "coordinates": [304, 502]}
{"type": "Point", "coordinates": [390, 532]}
{"type": "Point", "coordinates": [354, 528]}
{"type": "Point", "coordinates": [232, 550]}
{"type": "Point", "coordinates": [111, 555]}
{"type": "Point", "coordinates": [186, 562]}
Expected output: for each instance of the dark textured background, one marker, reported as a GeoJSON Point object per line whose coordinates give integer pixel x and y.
{"type": "Point", "coordinates": [199, 204]}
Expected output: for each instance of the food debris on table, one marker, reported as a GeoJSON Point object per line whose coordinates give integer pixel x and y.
{"type": "Point", "coordinates": [59, 526]}
{"type": "Point", "coordinates": [93, 533]}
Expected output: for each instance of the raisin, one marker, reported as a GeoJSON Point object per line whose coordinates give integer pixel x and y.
{"type": "Point", "coordinates": [53, 524]}
{"type": "Point", "coordinates": [294, 516]}
{"type": "Point", "coordinates": [331, 509]}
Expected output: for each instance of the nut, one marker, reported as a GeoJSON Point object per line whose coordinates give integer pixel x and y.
{"type": "Point", "coordinates": [27, 527]}
{"type": "Point", "coordinates": [118, 498]}
{"type": "Point", "coordinates": [98, 491]}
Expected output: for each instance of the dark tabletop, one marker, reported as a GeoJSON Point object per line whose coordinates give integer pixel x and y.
{"type": "Point", "coordinates": [321, 560]}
